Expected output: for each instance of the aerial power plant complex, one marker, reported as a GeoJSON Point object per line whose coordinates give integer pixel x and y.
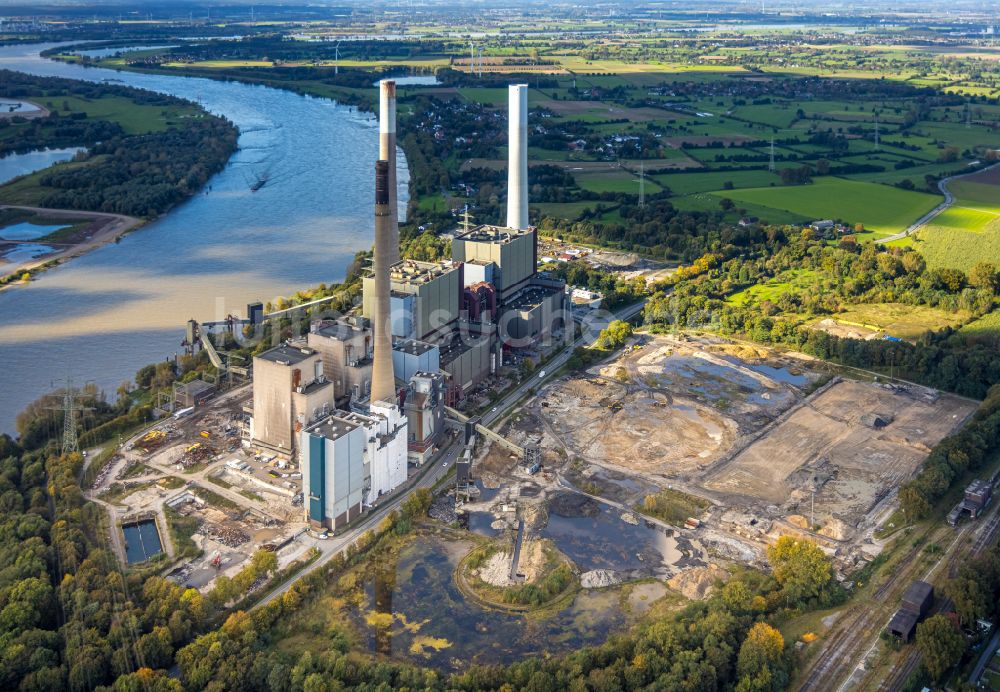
{"type": "Point", "coordinates": [362, 397]}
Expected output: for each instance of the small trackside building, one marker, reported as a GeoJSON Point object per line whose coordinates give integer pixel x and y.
{"type": "Point", "coordinates": [917, 602]}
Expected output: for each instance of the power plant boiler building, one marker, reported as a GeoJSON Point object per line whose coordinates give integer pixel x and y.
{"type": "Point", "coordinates": [290, 391]}
{"type": "Point", "coordinates": [424, 298]}
{"type": "Point", "coordinates": [426, 334]}
{"type": "Point", "coordinates": [334, 478]}
{"type": "Point", "coordinates": [346, 349]}
{"type": "Point", "coordinates": [349, 460]}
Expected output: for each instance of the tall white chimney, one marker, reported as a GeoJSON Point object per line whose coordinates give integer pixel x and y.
{"type": "Point", "coordinates": [383, 377]}
{"type": "Point", "coordinates": [517, 163]}
{"type": "Point", "coordinates": [387, 152]}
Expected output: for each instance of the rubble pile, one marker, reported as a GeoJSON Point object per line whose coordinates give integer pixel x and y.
{"type": "Point", "coordinates": [227, 535]}
{"type": "Point", "coordinates": [198, 453]}
{"type": "Point", "coordinates": [443, 509]}
{"type": "Point", "coordinates": [105, 470]}
{"type": "Point", "coordinates": [599, 579]}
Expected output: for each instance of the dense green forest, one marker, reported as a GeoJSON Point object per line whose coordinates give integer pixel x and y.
{"type": "Point", "coordinates": [970, 449]}
{"type": "Point", "coordinates": [135, 169]}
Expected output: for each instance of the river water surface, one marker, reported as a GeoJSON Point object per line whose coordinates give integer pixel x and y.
{"type": "Point", "coordinates": [102, 316]}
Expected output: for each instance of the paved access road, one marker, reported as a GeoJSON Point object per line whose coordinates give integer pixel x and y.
{"type": "Point", "coordinates": [949, 199]}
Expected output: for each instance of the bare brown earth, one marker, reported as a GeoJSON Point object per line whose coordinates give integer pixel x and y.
{"type": "Point", "coordinates": [826, 439]}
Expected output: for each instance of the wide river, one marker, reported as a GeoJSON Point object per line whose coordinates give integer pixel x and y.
{"type": "Point", "coordinates": [104, 315]}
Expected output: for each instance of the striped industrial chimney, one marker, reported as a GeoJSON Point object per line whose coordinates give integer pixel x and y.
{"type": "Point", "coordinates": [387, 152]}
{"type": "Point", "coordinates": [383, 378]}
{"type": "Point", "coordinates": [517, 157]}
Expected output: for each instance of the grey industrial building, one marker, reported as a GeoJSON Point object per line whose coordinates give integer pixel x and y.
{"type": "Point", "coordinates": [917, 602]}
{"type": "Point", "coordinates": [425, 298]}
{"type": "Point", "coordinates": [345, 347]}
{"type": "Point", "coordinates": [410, 356]}
{"type": "Point", "coordinates": [509, 256]}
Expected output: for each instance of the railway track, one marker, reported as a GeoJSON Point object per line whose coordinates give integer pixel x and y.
{"type": "Point", "coordinates": [852, 630]}
{"type": "Point", "coordinates": [985, 534]}
{"type": "Point", "coordinates": [902, 672]}
{"type": "Point", "coordinates": [857, 629]}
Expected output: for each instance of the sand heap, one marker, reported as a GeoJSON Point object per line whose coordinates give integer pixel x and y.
{"type": "Point", "coordinates": [697, 583]}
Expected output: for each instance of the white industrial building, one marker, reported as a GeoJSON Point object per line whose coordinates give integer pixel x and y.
{"type": "Point", "coordinates": [386, 451]}
{"type": "Point", "coordinates": [333, 470]}
{"type": "Point", "coordinates": [349, 460]}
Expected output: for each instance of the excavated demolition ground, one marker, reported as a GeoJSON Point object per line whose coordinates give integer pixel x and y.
{"type": "Point", "coordinates": [754, 432]}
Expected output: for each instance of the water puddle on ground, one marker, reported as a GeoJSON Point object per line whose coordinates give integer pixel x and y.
{"type": "Point", "coordinates": [594, 536]}
{"type": "Point", "coordinates": [24, 252]}
{"type": "Point", "coordinates": [481, 522]}
{"type": "Point", "coordinates": [28, 231]}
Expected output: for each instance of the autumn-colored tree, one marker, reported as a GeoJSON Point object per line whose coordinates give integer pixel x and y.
{"type": "Point", "coordinates": [759, 665]}
{"type": "Point", "coordinates": [800, 566]}
{"type": "Point", "coordinates": [615, 334]}
{"type": "Point", "coordinates": [913, 502]}
{"type": "Point", "coordinates": [985, 275]}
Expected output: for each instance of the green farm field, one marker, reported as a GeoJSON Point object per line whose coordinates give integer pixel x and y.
{"type": "Point", "coordinates": [702, 201]}
{"type": "Point", "coordinates": [566, 210]}
{"type": "Point", "coordinates": [882, 209]}
{"type": "Point", "coordinates": [709, 181]}
{"type": "Point", "coordinates": [986, 328]}
{"type": "Point", "coordinates": [613, 180]}
{"type": "Point", "coordinates": [969, 231]}
{"type": "Point", "coordinates": [958, 248]}
{"type": "Point", "coordinates": [134, 118]}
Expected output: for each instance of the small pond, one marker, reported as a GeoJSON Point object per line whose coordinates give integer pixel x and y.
{"type": "Point", "coordinates": [28, 231]}
{"type": "Point", "coordinates": [14, 106]}
{"type": "Point", "coordinates": [142, 541]}
{"type": "Point", "coordinates": [413, 611]}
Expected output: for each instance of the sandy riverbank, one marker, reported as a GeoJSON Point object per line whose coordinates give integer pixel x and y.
{"type": "Point", "coordinates": [41, 112]}
{"type": "Point", "coordinates": [103, 229]}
